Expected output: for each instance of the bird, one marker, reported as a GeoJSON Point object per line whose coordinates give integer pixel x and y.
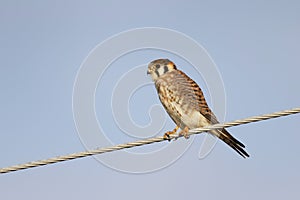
{"type": "Point", "coordinates": [185, 103]}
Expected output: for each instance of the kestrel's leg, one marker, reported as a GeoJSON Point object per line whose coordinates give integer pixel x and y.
{"type": "Point", "coordinates": [185, 132]}
{"type": "Point", "coordinates": [167, 134]}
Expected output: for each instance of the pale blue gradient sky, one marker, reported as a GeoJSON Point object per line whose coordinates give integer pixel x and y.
{"type": "Point", "coordinates": [255, 46]}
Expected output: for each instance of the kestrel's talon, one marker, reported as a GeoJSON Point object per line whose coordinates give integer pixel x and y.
{"type": "Point", "coordinates": [185, 133]}
{"type": "Point", "coordinates": [167, 134]}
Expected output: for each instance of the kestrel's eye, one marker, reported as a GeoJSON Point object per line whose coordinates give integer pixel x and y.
{"type": "Point", "coordinates": [157, 66]}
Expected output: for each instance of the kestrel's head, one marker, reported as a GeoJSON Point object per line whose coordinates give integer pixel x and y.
{"type": "Point", "coordinates": [160, 67]}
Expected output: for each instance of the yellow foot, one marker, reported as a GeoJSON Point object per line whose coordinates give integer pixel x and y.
{"type": "Point", "coordinates": [185, 133]}
{"type": "Point", "coordinates": [167, 134]}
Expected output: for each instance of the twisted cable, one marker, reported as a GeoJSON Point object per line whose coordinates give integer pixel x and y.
{"type": "Point", "coordinates": [145, 142]}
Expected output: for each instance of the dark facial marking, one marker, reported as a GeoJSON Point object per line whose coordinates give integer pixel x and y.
{"type": "Point", "coordinates": [156, 71]}
{"type": "Point", "coordinates": [166, 69]}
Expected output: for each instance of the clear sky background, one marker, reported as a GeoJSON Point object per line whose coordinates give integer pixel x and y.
{"type": "Point", "coordinates": [255, 46]}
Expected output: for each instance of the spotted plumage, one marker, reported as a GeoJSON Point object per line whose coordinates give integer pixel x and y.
{"type": "Point", "coordinates": [185, 103]}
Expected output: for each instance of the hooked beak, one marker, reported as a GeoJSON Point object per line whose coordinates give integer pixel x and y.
{"type": "Point", "coordinates": [148, 72]}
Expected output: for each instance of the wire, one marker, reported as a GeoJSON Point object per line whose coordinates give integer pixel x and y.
{"type": "Point", "coordinates": [144, 142]}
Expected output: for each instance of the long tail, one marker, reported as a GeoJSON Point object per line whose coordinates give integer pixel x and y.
{"type": "Point", "coordinates": [231, 141]}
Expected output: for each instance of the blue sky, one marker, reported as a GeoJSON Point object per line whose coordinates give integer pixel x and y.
{"type": "Point", "coordinates": [254, 45]}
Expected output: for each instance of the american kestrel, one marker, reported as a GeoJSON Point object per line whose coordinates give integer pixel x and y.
{"type": "Point", "coordinates": [185, 103]}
